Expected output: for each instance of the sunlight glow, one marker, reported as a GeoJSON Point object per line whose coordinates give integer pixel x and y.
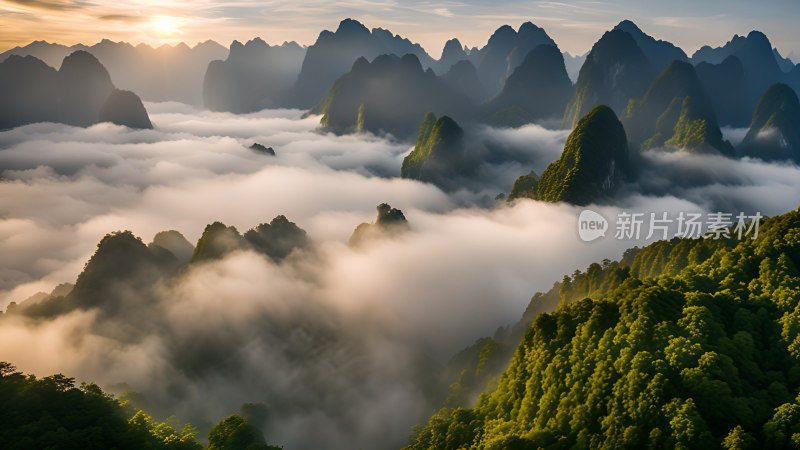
{"type": "Point", "coordinates": [165, 26]}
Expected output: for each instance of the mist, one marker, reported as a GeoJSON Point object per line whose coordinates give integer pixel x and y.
{"type": "Point", "coordinates": [331, 338]}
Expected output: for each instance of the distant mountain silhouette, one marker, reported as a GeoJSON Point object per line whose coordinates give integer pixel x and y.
{"type": "Point", "coordinates": [333, 54]}
{"type": "Point", "coordinates": [388, 95]}
{"type": "Point", "coordinates": [594, 163]}
{"type": "Point", "coordinates": [84, 86]}
{"type": "Point", "coordinates": [785, 64]}
{"type": "Point", "coordinates": [452, 53]}
{"type": "Point", "coordinates": [659, 53]}
{"type": "Point", "coordinates": [727, 87]}
{"type": "Point", "coordinates": [51, 53]}
{"type": "Point", "coordinates": [124, 108]}
{"type": "Point", "coordinates": [80, 93]}
{"type": "Point", "coordinates": [676, 112]}
{"type": "Point", "coordinates": [761, 69]}
{"type": "Point", "coordinates": [253, 77]}
{"type": "Point", "coordinates": [29, 89]}
{"type": "Point", "coordinates": [573, 64]}
{"type": "Point", "coordinates": [538, 89]}
{"type": "Point", "coordinates": [505, 51]}
{"type": "Point", "coordinates": [175, 242]}
{"type": "Point", "coordinates": [774, 133]}
{"type": "Point", "coordinates": [793, 78]}
{"type": "Point", "coordinates": [463, 79]}
{"type": "Point", "coordinates": [166, 73]}
{"type": "Point", "coordinates": [615, 71]}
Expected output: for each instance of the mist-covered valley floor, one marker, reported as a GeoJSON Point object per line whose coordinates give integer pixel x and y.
{"type": "Point", "coordinates": [335, 339]}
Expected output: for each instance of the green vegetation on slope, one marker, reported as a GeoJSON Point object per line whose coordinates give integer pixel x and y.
{"type": "Point", "coordinates": [276, 239]}
{"type": "Point", "coordinates": [615, 71]}
{"type": "Point", "coordinates": [389, 222]}
{"type": "Point", "coordinates": [775, 130]}
{"type": "Point", "coordinates": [594, 161]}
{"type": "Point", "coordinates": [439, 153]}
{"type": "Point", "coordinates": [676, 112]}
{"type": "Point", "coordinates": [683, 344]}
{"type": "Point", "coordinates": [50, 413]}
{"type": "Point", "coordinates": [234, 433]}
{"type": "Point", "coordinates": [387, 95]}
{"type": "Point", "coordinates": [524, 187]}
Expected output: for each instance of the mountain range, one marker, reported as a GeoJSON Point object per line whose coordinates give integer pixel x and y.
{"type": "Point", "coordinates": [362, 80]}
{"type": "Point", "coordinates": [388, 95]}
{"type": "Point", "coordinates": [80, 93]}
{"type": "Point", "coordinates": [676, 111]}
{"type": "Point", "coordinates": [333, 54]}
{"type": "Point", "coordinates": [536, 91]}
{"type": "Point", "coordinates": [166, 73]}
{"type": "Point", "coordinates": [251, 76]}
{"type": "Point", "coordinates": [254, 76]}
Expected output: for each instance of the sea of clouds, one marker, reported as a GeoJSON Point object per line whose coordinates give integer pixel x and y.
{"type": "Point", "coordinates": [468, 265]}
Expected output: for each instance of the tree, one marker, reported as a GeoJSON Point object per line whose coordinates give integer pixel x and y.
{"type": "Point", "coordinates": [234, 433]}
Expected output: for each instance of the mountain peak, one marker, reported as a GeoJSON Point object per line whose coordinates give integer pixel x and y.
{"type": "Point", "coordinates": [627, 24]}
{"type": "Point", "coordinates": [528, 27]}
{"type": "Point", "coordinates": [411, 61]}
{"type": "Point", "coordinates": [452, 48]}
{"type": "Point", "coordinates": [351, 27]}
{"type": "Point", "coordinates": [758, 36]}
{"type": "Point", "coordinates": [659, 53]}
{"type": "Point", "coordinates": [594, 161]}
{"type": "Point", "coordinates": [438, 152]}
{"type": "Point", "coordinates": [676, 112]}
{"type": "Point", "coordinates": [125, 108]}
{"type": "Point", "coordinates": [217, 241]}
{"type": "Point", "coordinates": [278, 238]}
{"type": "Point", "coordinates": [388, 215]}
{"type": "Point", "coordinates": [615, 71]}
{"type": "Point", "coordinates": [389, 222]}
{"type": "Point", "coordinates": [81, 58]}
{"type": "Point", "coordinates": [539, 88]}
{"type": "Point", "coordinates": [775, 129]}
{"type": "Point", "coordinates": [505, 32]}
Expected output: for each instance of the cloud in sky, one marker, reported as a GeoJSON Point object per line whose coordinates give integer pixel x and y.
{"type": "Point", "coordinates": [65, 187]}
{"type": "Point", "coordinates": [575, 25]}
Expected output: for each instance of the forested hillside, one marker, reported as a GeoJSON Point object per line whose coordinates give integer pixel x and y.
{"type": "Point", "coordinates": [683, 344]}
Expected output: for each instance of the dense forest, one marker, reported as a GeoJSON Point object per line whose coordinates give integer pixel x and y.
{"type": "Point", "coordinates": [682, 344]}
{"type": "Point", "coordinates": [52, 413]}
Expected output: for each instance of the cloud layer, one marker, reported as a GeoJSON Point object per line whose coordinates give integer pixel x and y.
{"type": "Point", "coordinates": [460, 272]}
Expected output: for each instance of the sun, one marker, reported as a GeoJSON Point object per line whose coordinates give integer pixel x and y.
{"type": "Point", "coordinates": [165, 26]}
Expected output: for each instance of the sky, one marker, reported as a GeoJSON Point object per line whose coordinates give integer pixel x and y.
{"type": "Point", "coordinates": [575, 25]}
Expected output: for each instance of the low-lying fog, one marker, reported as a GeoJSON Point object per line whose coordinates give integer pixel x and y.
{"type": "Point", "coordinates": [464, 269]}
